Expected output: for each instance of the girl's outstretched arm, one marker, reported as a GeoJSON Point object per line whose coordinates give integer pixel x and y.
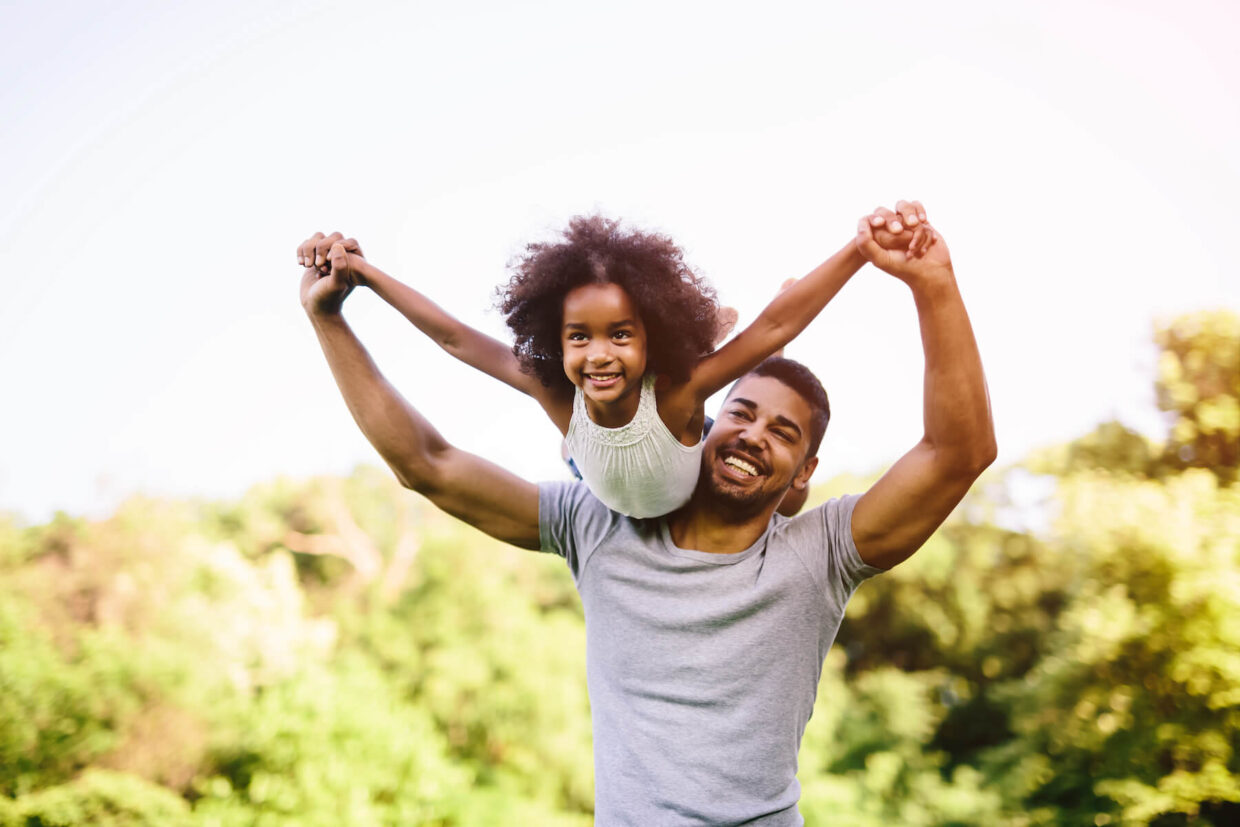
{"type": "Point", "coordinates": [786, 316]}
{"type": "Point", "coordinates": [471, 346]}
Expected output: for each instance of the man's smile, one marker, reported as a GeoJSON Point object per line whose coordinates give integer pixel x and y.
{"type": "Point", "coordinates": [741, 465]}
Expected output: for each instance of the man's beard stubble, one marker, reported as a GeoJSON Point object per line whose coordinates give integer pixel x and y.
{"type": "Point", "coordinates": [736, 505]}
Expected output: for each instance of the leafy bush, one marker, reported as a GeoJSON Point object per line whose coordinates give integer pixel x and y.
{"type": "Point", "coordinates": [102, 799]}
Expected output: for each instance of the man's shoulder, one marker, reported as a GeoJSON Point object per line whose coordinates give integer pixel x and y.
{"type": "Point", "coordinates": [570, 508]}
{"type": "Point", "coordinates": [816, 524]}
{"type": "Point", "coordinates": [568, 496]}
{"type": "Point", "coordinates": [821, 537]}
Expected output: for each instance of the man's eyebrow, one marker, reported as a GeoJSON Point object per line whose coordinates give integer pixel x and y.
{"type": "Point", "coordinates": [788, 423]}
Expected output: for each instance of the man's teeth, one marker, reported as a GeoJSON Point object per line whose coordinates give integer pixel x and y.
{"type": "Point", "coordinates": [742, 465]}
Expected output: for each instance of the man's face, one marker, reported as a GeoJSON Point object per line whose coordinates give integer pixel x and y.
{"type": "Point", "coordinates": [757, 447]}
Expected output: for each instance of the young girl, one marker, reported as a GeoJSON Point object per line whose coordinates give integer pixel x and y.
{"type": "Point", "coordinates": [614, 338]}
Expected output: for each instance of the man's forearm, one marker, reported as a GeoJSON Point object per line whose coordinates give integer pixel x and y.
{"type": "Point", "coordinates": [406, 441]}
{"type": "Point", "coordinates": [465, 486]}
{"type": "Point", "coordinates": [958, 423]}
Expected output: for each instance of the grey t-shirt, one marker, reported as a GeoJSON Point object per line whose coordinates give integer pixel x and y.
{"type": "Point", "coordinates": [702, 668]}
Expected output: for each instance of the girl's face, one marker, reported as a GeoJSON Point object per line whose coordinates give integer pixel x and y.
{"type": "Point", "coordinates": [604, 345]}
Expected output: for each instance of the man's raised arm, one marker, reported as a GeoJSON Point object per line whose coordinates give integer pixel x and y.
{"type": "Point", "coordinates": [902, 510]}
{"type": "Point", "coordinates": [466, 486]}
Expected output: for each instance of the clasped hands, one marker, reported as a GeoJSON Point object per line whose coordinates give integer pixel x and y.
{"type": "Point", "coordinates": [902, 242]}
{"type": "Point", "coordinates": [331, 271]}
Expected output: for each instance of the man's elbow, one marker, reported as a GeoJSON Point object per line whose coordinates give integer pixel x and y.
{"type": "Point", "coordinates": [991, 454]}
{"type": "Point", "coordinates": [422, 474]}
{"type": "Point", "coordinates": [981, 455]}
{"type": "Point", "coordinates": [965, 463]}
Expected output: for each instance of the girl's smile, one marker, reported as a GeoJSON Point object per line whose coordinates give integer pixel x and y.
{"type": "Point", "coordinates": [604, 345]}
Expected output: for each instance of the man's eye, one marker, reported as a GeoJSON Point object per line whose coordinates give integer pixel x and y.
{"type": "Point", "coordinates": [784, 436]}
{"type": "Point", "coordinates": [740, 414]}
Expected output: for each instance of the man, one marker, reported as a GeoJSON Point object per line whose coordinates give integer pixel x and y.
{"type": "Point", "coordinates": [707, 629]}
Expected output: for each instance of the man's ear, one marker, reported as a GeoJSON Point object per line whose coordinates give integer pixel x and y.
{"type": "Point", "coordinates": [801, 478]}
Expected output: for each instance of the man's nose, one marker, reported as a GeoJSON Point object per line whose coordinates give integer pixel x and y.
{"type": "Point", "coordinates": [751, 437]}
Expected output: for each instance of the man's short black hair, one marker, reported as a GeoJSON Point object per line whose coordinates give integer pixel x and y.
{"type": "Point", "coordinates": [802, 380]}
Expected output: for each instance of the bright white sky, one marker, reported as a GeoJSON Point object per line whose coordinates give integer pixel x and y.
{"type": "Point", "coordinates": [162, 161]}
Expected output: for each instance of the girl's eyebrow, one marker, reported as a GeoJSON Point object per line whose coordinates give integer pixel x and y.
{"type": "Point", "coordinates": [612, 326]}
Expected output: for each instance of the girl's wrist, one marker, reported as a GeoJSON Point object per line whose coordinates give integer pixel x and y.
{"type": "Point", "coordinates": [853, 257]}
{"type": "Point", "coordinates": [365, 273]}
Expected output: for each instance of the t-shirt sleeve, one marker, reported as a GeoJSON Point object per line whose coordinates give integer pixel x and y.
{"type": "Point", "coordinates": [824, 541]}
{"type": "Point", "coordinates": [571, 522]}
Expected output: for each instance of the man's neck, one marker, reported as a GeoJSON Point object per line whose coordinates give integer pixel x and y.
{"type": "Point", "coordinates": [703, 528]}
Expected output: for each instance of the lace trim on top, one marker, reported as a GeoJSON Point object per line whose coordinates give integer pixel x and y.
{"type": "Point", "coordinates": [630, 432]}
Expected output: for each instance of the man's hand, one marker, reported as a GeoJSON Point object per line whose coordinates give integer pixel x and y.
{"type": "Point", "coordinates": [330, 275]}
{"type": "Point", "coordinates": [903, 243]}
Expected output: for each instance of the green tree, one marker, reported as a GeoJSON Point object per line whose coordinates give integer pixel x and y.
{"type": "Point", "coordinates": [101, 798]}
{"type": "Point", "coordinates": [491, 641]}
{"type": "Point", "coordinates": [1199, 386]}
{"type": "Point", "coordinates": [1134, 712]}
{"type": "Point", "coordinates": [332, 744]}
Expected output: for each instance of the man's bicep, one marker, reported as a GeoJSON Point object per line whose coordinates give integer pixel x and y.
{"type": "Point", "coordinates": [900, 511]}
{"type": "Point", "coordinates": [490, 498]}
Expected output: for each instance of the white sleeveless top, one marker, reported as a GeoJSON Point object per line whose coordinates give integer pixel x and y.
{"type": "Point", "coordinates": [639, 469]}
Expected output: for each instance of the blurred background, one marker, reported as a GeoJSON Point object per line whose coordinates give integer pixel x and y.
{"type": "Point", "coordinates": [215, 607]}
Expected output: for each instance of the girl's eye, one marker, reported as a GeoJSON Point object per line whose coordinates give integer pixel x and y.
{"type": "Point", "coordinates": [576, 337]}
{"type": "Point", "coordinates": [622, 334]}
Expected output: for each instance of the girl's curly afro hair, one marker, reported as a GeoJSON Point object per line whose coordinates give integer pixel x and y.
{"type": "Point", "coordinates": [677, 307]}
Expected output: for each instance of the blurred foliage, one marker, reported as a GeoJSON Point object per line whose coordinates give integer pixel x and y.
{"type": "Point", "coordinates": [329, 746]}
{"type": "Point", "coordinates": [334, 651]}
{"type": "Point", "coordinates": [1199, 385]}
{"type": "Point", "coordinates": [102, 798]}
{"type": "Point", "coordinates": [1135, 708]}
